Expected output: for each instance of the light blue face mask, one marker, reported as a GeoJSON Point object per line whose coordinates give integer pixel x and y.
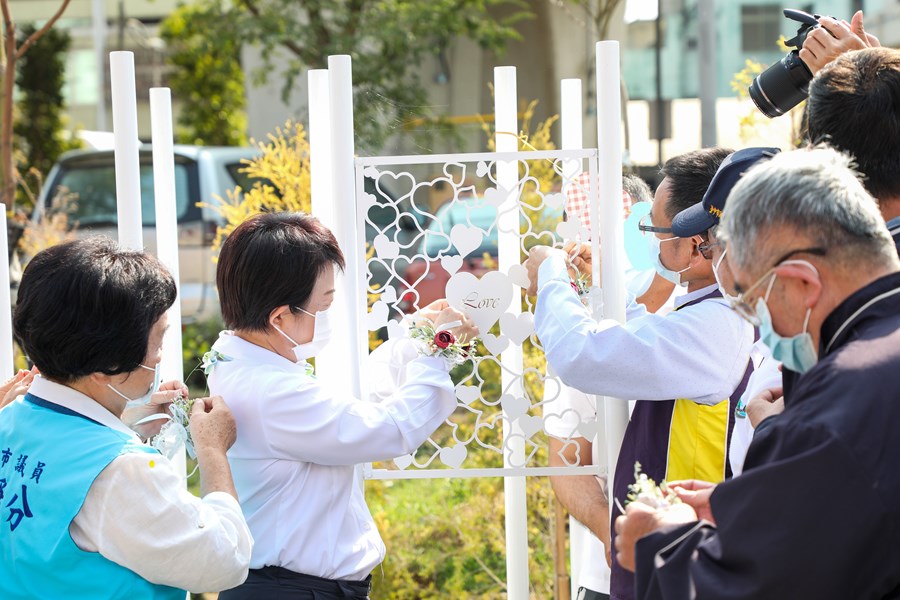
{"type": "Point", "coordinates": [797, 353]}
{"type": "Point", "coordinates": [145, 399]}
{"type": "Point", "coordinates": [665, 273]}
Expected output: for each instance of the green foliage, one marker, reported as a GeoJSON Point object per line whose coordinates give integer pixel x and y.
{"type": "Point", "coordinates": [205, 52]}
{"type": "Point", "coordinates": [40, 132]}
{"type": "Point", "coordinates": [196, 340]}
{"type": "Point", "coordinates": [387, 39]}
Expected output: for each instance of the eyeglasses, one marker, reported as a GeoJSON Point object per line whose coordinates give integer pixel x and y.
{"type": "Point", "coordinates": [645, 225]}
{"type": "Point", "coordinates": [741, 303]}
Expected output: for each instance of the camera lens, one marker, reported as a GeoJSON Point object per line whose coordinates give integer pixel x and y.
{"type": "Point", "coordinates": [782, 86]}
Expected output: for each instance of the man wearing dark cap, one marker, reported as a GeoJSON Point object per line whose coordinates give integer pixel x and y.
{"type": "Point", "coordinates": [703, 219]}
{"type": "Point", "coordinates": [815, 514]}
{"type": "Point", "coordinates": [686, 370]}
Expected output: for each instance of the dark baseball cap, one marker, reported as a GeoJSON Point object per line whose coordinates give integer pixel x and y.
{"type": "Point", "coordinates": [703, 215]}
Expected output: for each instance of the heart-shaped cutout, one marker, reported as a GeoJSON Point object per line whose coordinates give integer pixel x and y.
{"type": "Point", "coordinates": [530, 425]}
{"type": "Point", "coordinates": [494, 343]}
{"type": "Point", "coordinates": [385, 248]}
{"type": "Point", "coordinates": [395, 185]}
{"type": "Point", "coordinates": [483, 300]}
{"type": "Point", "coordinates": [389, 295]}
{"type": "Point", "coordinates": [453, 456]}
{"type": "Point", "coordinates": [403, 461]}
{"type": "Point", "coordinates": [456, 172]}
{"type": "Point", "coordinates": [467, 394]}
{"type": "Point", "coordinates": [588, 429]}
{"type": "Point", "coordinates": [481, 169]}
{"type": "Point", "coordinates": [451, 264]}
{"type": "Point", "coordinates": [465, 238]}
{"type": "Point", "coordinates": [514, 406]}
{"type": "Point", "coordinates": [378, 316]}
{"type": "Point", "coordinates": [554, 200]}
{"type": "Point", "coordinates": [518, 275]}
{"type": "Point", "coordinates": [517, 327]}
{"type": "Point", "coordinates": [395, 330]}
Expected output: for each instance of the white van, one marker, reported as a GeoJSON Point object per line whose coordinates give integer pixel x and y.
{"type": "Point", "coordinates": [201, 173]}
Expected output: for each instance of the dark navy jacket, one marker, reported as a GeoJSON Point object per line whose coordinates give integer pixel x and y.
{"type": "Point", "coordinates": [816, 513]}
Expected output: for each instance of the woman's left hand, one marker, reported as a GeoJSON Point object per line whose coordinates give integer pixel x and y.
{"type": "Point", "coordinates": [16, 386]}
{"type": "Point", "coordinates": [465, 331]}
{"type": "Point", "coordinates": [169, 391]}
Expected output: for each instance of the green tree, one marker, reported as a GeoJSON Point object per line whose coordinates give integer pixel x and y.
{"type": "Point", "coordinates": [387, 40]}
{"type": "Point", "coordinates": [39, 127]}
{"type": "Point", "coordinates": [205, 51]}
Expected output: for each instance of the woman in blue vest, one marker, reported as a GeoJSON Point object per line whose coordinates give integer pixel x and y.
{"type": "Point", "coordinates": [86, 509]}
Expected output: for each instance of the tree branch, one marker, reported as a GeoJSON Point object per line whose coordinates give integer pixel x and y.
{"type": "Point", "coordinates": [295, 49]}
{"type": "Point", "coordinates": [40, 32]}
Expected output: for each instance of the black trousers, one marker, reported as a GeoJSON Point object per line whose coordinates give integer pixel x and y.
{"type": "Point", "coordinates": [277, 583]}
{"type": "Point", "coordinates": [586, 594]}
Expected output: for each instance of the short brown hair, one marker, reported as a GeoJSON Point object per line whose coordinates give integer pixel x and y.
{"type": "Point", "coordinates": [272, 260]}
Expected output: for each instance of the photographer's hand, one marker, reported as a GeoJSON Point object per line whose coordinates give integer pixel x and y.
{"type": "Point", "coordinates": [825, 43]}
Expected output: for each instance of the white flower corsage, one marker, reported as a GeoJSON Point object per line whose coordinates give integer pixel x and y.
{"type": "Point", "coordinates": [211, 359]}
{"type": "Point", "coordinates": [176, 430]}
{"type": "Point", "coordinates": [645, 491]}
{"type": "Point", "coordinates": [442, 342]}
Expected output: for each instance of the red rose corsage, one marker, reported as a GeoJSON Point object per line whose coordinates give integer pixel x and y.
{"type": "Point", "coordinates": [442, 342]}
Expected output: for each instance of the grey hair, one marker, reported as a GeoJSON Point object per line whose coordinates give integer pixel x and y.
{"type": "Point", "coordinates": [814, 192]}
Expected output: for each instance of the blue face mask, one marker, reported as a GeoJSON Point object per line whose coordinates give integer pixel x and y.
{"type": "Point", "coordinates": [668, 274]}
{"type": "Point", "coordinates": [797, 353]}
{"type": "Point", "coordinates": [145, 399]}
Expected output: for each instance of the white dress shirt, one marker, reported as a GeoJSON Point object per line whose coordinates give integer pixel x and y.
{"type": "Point", "coordinates": [298, 443]}
{"type": "Point", "coordinates": [766, 374]}
{"type": "Point", "coordinates": [699, 352]}
{"type": "Point", "coordinates": [139, 515]}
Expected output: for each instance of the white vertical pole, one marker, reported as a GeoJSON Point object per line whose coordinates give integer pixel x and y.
{"type": "Point", "coordinates": [571, 123]}
{"type": "Point", "coordinates": [125, 134]}
{"type": "Point", "coordinates": [329, 366]}
{"type": "Point", "coordinates": [347, 338]}
{"type": "Point", "coordinates": [7, 366]}
{"type": "Point", "coordinates": [320, 147]}
{"type": "Point", "coordinates": [98, 26]}
{"type": "Point", "coordinates": [609, 136]}
{"type": "Point", "coordinates": [166, 220]}
{"type": "Point", "coordinates": [507, 130]}
{"type": "Point", "coordinates": [172, 366]}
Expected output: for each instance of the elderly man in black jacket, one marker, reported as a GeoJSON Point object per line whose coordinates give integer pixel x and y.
{"type": "Point", "coordinates": [816, 513]}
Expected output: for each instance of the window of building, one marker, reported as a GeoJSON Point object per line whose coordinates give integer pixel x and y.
{"type": "Point", "coordinates": [760, 27]}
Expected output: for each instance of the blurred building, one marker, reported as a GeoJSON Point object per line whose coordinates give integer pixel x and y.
{"type": "Point", "coordinates": [558, 43]}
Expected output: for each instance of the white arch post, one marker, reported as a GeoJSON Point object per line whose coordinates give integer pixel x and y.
{"type": "Point", "coordinates": [609, 140]}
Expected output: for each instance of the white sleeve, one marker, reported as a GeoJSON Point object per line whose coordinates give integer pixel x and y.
{"type": "Point", "coordinates": [139, 515]}
{"type": "Point", "coordinates": [699, 352]}
{"type": "Point", "coordinates": [311, 424]}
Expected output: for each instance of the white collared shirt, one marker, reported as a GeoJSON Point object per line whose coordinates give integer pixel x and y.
{"type": "Point", "coordinates": [139, 515]}
{"type": "Point", "coordinates": [298, 444]}
{"type": "Point", "coordinates": [699, 352]}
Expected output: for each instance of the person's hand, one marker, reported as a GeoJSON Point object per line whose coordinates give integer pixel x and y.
{"type": "Point", "coordinates": [579, 256]}
{"type": "Point", "coordinates": [213, 428]}
{"type": "Point", "coordinates": [768, 403]}
{"type": "Point", "coordinates": [429, 314]}
{"type": "Point", "coordinates": [465, 331]}
{"type": "Point", "coordinates": [16, 386]}
{"type": "Point", "coordinates": [159, 403]}
{"type": "Point", "coordinates": [536, 256]}
{"type": "Point", "coordinates": [824, 44]}
{"type": "Point", "coordinates": [639, 520]}
{"type": "Point", "coordinates": [695, 493]}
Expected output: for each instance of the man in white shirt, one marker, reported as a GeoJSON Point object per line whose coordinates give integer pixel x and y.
{"type": "Point", "coordinates": [91, 512]}
{"type": "Point", "coordinates": [679, 367]}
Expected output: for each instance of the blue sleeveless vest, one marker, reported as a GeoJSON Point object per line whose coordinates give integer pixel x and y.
{"type": "Point", "coordinates": [49, 458]}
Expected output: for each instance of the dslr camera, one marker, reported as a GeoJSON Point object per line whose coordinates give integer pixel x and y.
{"type": "Point", "coordinates": [785, 84]}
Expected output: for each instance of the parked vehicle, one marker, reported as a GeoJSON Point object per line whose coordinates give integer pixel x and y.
{"type": "Point", "coordinates": [425, 279]}
{"type": "Point", "coordinates": [200, 174]}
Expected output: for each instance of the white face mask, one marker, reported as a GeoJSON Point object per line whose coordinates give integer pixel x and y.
{"type": "Point", "coordinates": [321, 336]}
{"type": "Point", "coordinates": [145, 399]}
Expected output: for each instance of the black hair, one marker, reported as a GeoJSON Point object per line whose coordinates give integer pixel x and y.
{"type": "Point", "coordinates": [690, 175]}
{"type": "Point", "coordinates": [87, 306]}
{"type": "Point", "coordinates": [854, 105]}
{"type": "Point", "coordinates": [272, 260]}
